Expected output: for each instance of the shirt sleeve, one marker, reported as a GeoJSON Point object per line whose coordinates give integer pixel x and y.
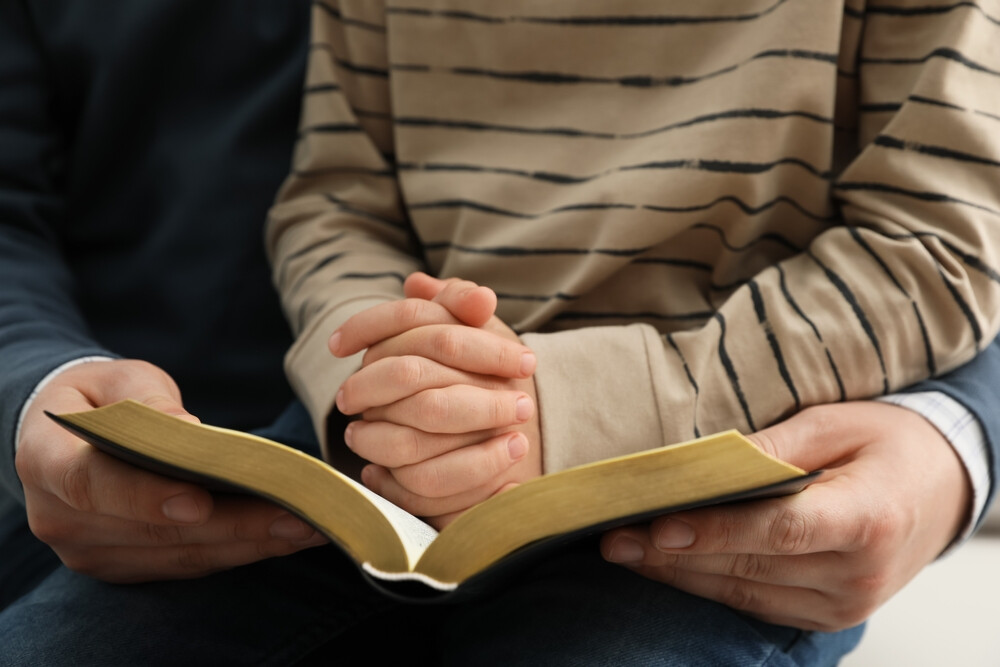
{"type": "Point", "coordinates": [40, 324]}
{"type": "Point", "coordinates": [338, 236]}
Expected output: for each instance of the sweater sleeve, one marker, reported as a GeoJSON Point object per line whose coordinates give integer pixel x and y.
{"type": "Point", "coordinates": [904, 289]}
{"type": "Point", "coordinates": [40, 325]}
{"type": "Point", "coordinates": [338, 236]}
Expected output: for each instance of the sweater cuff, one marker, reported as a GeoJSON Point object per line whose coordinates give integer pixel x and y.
{"type": "Point", "coordinates": [595, 393]}
{"type": "Point", "coordinates": [315, 374]}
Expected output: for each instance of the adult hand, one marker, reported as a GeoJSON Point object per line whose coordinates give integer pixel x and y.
{"type": "Point", "coordinates": [893, 496]}
{"type": "Point", "coordinates": [446, 399]}
{"type": "Point", "coordinates": [116, 522]}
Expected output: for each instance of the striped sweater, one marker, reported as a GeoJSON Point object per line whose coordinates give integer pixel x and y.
{"type": "Point", "coordinates": [700, 215]}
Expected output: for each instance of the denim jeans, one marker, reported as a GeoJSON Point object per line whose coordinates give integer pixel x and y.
{"type": "Point", "coordinates": [314, 607]}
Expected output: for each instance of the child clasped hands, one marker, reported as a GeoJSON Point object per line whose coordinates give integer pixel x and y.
{"type": "Point", "coordinates": [445, 395]}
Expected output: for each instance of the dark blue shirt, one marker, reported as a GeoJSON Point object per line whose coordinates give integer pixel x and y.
{"type": "Point", "coordinates": [141, 144]}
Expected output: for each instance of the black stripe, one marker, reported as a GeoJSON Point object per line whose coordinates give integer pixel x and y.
{"type": "Point", "coordinates": [353, 171]}
{"type": "Point", "coordinates": [936, 197]}
{"type": "Point", "coordinates": [346, 20]}
{"type": "Point", "coordinates": [452, 14]}
{"type": "Point", "coordinates": [769, 236]}
{"type": "Point", "coordinates": [856, 235]}
{"type": "Point", "coordinates": [925, 335]}
{"type": "Point", "coordinates": [356, 275]}
{"type": "Point", "coordinates": [881, 107]}
{"type": "Point", "coordinates": [637, 81]}
{"type": "Point", "coordinates": [487, 208]}
{"type": "Point", "coordinates": [300, 315]}
{"type": "Point", "coordinates": [977, 333]}
{"type": "Point", "coordinates": [515, 251]}
{"type": "Point", "coordinates": [743, 206]}
{"type": "Point", "coordinates": [348, 65]}
{"type": "Point", "coordinates": [734, 379]}
{"type": "Point", "coordinates": [987, 114]}
{"type": "Point", "coordinates": [633, 316]}
{"type": "Point", "coordinates": [712, 166]}
{"type": "Point", "coordinates": [584, 21]}
{"type": "Point", "coordinates": [331, 128]}
{"type": "Point", "coordinates": [475, 126]}
{"type": "Point", "coordinates": [836, 374]}
{"type": "Point", "coordinates": [287, 260]}
{"type": "Point", "coordinates": [926, 10]}
{"type": "Point", "coordinates": [935, 151]}
{"type": "Point", "coordinates": [318, 88]}
{"type": "Point", "coordinates": [795, 306]}
{"type": "Point", "coordinates": [779, 358]}
{"type": "Point", "coordinates": [313, 270]}
{"type": "Point", "coordinates": [374, 115]}
{"type": "Point", "coordinates": [852, 13]}
{"type": "Point", "coordinates": [852, 301]}
{"type": "Point", "coordinates": [971, 260]}
{"type": "Point", "coordinates": [694, 208]}
{"type": "Point", "coordinates": [541, 298]}
{"type": "Point", "coordinates": [366, 70]}
{"type": "Point", "coordinates": [347, 207]}
{"type": "Point", "coordinates": [943, 52]}
{"type": "Point", "coordinates": [691, 381]}
{"type": "Point", "coordinates": [679, 263]}
{"type": "Point", "coordinates": [931, 101]}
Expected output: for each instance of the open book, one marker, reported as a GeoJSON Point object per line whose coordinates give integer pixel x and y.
{"type": "Point", "coordinates": [401, 553]}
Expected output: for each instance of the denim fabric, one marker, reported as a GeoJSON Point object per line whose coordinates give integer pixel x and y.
{"type": "Point", "coordinates": [314, 607]}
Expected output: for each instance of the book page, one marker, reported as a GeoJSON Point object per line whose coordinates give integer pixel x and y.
{"type": "Point", "coordinates": [415, 534]}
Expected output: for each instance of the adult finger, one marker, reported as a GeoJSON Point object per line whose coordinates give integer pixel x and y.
{"type": "Point", "coordinates": [457, 409]}
{"type": "Point", "coordinates": [460, 347]}
{"type": "Point", "coordinates": [634, 548]}
{"type": "Point", "coordinates": [233, 519]}
{"type": "Point", "coordinates": [51, 460]}
{"type": "Point", "coordinates": [392, 379]}
{"type": "Point", "coordinates": [91, 482]}
{"type": "Point", "coordinates": [820, 518]}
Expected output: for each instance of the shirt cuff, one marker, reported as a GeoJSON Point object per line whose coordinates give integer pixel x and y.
{"type": "Point", "coordinates": [961, 428]}
{"type": "Point", "coordinates": [41, 385]}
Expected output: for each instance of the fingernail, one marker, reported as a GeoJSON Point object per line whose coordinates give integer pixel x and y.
{"type": "Point", "coordinates": [334, 343]}
{"type": "Point", "coordinates": [182, 509]}
{"type": "Point", "coordinates": [524, 409]}
{"type": "Point", "coordinates": [517, 447]}
{"type": "Point", "coordinates": [288, 527]}
{"type": "Point", "coordinates": [626, 550]}
{"type": "Point", "coordinates": [674, 534]}
{"type": "Point", "coordinates": [528, 363]}
{"type": "Point", "coordinates": [339, 400]}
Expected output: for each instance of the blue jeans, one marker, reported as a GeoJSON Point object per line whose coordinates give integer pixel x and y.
{"type": "Point", "coordinates": [314, 608]}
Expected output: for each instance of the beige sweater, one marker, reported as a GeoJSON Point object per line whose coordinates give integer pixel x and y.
{"type": "Point", "coordinates": [699, 215]}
